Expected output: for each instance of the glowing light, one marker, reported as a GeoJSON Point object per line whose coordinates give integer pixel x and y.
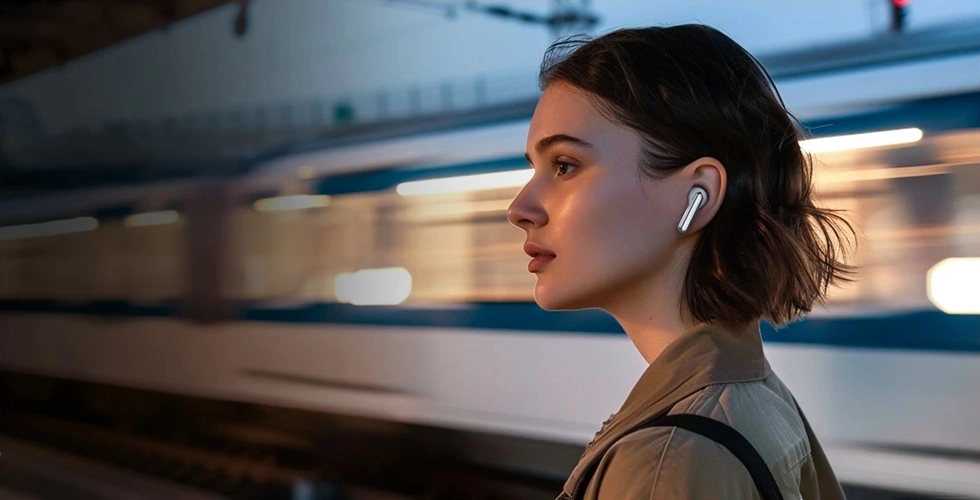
{"type": "Point", "coordinates": [50, 228]}
{"type": "Point", "coordinates": [861, 141]}
{"type": "Point", "coordinates": [496, 180]}
{"type": "Point", "coordinates": [151, 219]}
{"type": "Point", "coordinates": [954, 285]}
{"type": "Point", "coordinates": [306, 172]}
{"type": "Point", "coordinates": [292, 202]}
{"type": "Point", "coordinates": [374, 287]}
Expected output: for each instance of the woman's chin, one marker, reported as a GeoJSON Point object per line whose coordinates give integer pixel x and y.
{"type": "Point", "coordinates": [551, 301]}
{"type": "Point", "coordinates": [544, 300]}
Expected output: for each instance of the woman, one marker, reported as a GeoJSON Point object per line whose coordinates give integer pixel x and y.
{"type": "Point", "coordinates": [669, 190]}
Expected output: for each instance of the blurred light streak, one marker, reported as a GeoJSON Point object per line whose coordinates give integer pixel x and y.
{"type": "Point", "coordinates": [306, 172]}
{"type": "Point", "coordinates": [954, 285]}
{"type": "Point", "coordinates": [50, 228]}
{"type": "Point", "coordinates": [374, 287]}
{"type": "Point", "coordinates": [160, 218]}
{"type": "Point", "coordinates": [496, 180]}
{"type": "Point", "coordinates": [878, 174]}
{"type": "Point", "coordinates": [292, 202]}
{"type": "Point", "coordinates": [426, 210]}
{"type": "Point", "coordinates": [861, 141]}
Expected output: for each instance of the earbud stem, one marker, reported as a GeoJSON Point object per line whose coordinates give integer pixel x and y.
{"type": "Point", "coordinates": [695, 200]}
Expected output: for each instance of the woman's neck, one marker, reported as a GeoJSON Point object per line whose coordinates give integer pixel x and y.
{"type": "Point", "coordinates": [655, 315]}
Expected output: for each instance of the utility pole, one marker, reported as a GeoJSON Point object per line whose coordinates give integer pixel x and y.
{"type": "Point", "coordinates": [898, 10]}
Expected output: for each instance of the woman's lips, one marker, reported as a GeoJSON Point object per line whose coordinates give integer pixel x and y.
{"type": "Point", "coordinates": [540, 256]}
{"type": "Point", "coordinates": [538, 262]}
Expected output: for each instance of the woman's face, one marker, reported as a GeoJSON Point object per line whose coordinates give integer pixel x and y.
{"type": "Point", "coordinates": [605, 232]}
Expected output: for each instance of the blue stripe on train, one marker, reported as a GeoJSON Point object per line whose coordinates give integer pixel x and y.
{"type": "Point", "coordinates": [914, 330]}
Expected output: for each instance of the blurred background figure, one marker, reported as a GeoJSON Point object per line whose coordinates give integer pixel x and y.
{"type": "Point", "coordinates": [259, 249]}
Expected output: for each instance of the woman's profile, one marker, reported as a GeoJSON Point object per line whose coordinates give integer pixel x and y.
{"type": "Point", "coordinates": [670, 191]}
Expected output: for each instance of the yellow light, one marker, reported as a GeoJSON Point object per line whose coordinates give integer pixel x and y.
{"type": "Point", "coordinates": [954, 285]}
{"type": "Point", "coordinates": [292, 202]}
{"type": "Point", "coordinates": [151, 218]}
{"type": "Point", "coordinates": [496, 180]}
{"type": "Point", "coordinates": [860, 141]}
{"type": "Point", "coordinates": [374, 287]}
{"type": "Point", "coordinates": [50, 228]}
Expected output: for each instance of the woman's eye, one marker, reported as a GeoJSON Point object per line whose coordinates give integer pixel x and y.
{"type": "Point", "coordinates": [563, 168]}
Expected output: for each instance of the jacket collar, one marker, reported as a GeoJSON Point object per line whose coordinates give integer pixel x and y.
{"type": "Point", "coordinates": [708, 355]}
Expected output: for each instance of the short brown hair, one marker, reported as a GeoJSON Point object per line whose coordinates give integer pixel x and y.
{"type": "Point", "coordinates": [691, 91]}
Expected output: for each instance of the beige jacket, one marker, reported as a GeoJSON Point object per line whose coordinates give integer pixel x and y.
{"type": "Point", "coordinates": [719, 374]}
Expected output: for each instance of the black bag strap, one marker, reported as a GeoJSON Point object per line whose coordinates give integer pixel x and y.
{"type": "Point", "coordinates": [718, 432]}
{"type": "Point", "coordinates": [731, 439]}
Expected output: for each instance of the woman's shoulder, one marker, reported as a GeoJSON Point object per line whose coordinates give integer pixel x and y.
{"type": "Point", "coordinates": [676, 461]}
{"type": "Point", "coordinates": [669, 462]}
{"type": "Point", "coordinates": [763, 411]}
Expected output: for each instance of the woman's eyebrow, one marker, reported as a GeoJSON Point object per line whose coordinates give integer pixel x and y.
{"type": "Point", "coordinates": [551, 140]}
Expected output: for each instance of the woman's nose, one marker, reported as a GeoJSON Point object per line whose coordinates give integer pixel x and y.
{"type": "Point", "coordinates": [526, 210]}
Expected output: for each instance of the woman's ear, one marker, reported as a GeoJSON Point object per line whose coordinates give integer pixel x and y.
{"type": "Point", "coordinates": [710, 176]}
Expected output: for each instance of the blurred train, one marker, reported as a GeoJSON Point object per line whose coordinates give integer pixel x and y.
{"type": "Point", "coordinates": [382, 280]}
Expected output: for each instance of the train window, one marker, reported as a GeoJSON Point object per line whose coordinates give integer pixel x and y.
{"type": "Point", "coordinates": [111, 262]}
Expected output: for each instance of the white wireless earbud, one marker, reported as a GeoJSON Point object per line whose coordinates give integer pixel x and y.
{"type": "Point", "coordinates": [695, 200]}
